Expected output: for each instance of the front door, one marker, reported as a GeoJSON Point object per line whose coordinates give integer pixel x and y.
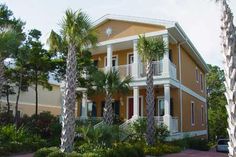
{"type": "Point", "coordinates": [131, 107]}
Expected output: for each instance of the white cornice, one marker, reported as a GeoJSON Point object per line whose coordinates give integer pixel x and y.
{"type": "Point", "coordinates": [106, 17]}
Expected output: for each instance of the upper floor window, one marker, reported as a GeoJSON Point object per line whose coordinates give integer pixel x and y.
{"type": "Point", "coordinates": [201, 81]}
{"type": "Point", "coordinates": [114, 61]}
{"type": "Point", "coordinates": [196, 75]}
{"type": "Point", "coordinates": [192, 113]}
{"type": "Point", "coordinates": [130, 58]}
{"type": "Point", "coordinates": [170, 55]}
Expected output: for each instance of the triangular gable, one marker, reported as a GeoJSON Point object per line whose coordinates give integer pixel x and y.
{"type": "Point", "coordinates": [123, 29]}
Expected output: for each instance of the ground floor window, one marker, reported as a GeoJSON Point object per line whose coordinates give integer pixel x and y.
{"type": "Point", "coordinates": [192, 113]}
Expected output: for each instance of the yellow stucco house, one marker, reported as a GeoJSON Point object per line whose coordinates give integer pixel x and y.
{"type": "Point", "coordinates": [179, 78]}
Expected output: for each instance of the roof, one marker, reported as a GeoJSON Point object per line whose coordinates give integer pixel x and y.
{"type": "Point", "coordinates": [174, 29]}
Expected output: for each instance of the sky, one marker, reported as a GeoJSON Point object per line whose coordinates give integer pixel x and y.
{"type": "Point", "coordinates": [200, 19]}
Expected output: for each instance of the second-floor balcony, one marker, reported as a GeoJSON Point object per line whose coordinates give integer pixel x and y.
{"type": "Point", "coordinates": [158, 70]}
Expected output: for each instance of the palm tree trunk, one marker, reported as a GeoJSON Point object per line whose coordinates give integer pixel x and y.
{"type": "Point", "coordinates": [150, 132]}
{"type": "Point", "coordinates": [229, 53]}
{"type": "Point", "coordinates": [1, 75]}
{"type": "Point", "coordinates": [68, 108]}
{"type": "Point", "coordinates": [108, 113]}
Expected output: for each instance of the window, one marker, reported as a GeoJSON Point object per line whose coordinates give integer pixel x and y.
{"type": "Point", "coordinates": [201, 81]}
{"type": "Point", "coordinates": [131, 58]}
{"type": "Point", "coordinates": [95, 63]}
{"type": "Point", "coordinates": [202, 114]}
{"type": "Point", "coordinates": [170, 55]}
{"type": "Point", "coordinates": [196, 74]}
{"type": "Point", "coordinates": [161, 107]}
{"type": "Point", "coordinates": [114, 61]}
{"type": "Point", "coordinates": [192, 113]}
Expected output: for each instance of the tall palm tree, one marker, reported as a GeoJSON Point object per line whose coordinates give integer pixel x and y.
{"type": "Point", "coordinates": [76, 35]}
{"type": "Point", "coordinates": [150, 49]}
{"type": "Point", "coordinates": [110, 83]}
{"type": "Point", "coordinates": [228, 35]}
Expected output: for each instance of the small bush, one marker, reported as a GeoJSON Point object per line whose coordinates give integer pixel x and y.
{"type": "Point", "coordinates": [57, 153]}
{"type": "Point", "coordinates": [198, 144]}
{"type": "Point", "coordinates": [43, 152]}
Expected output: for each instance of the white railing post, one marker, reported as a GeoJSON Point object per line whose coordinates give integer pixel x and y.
{"type": "Point", "coordinates": [135, 102]}
{"type": "Point", "coordinates": [135, 64]}
{"type": "Point", "coordinates": [167, 117]}
{"type": "Point", "coordinates": [84, 106]}
{"type": "Point", "coordinates": [166, 61]}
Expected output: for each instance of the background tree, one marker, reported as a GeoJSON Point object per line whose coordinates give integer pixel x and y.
{"type": "Point", "coordinates": [110, 83]}
{"type": "Point", "coordinates": [39, 64]}
{"type": "Point", "coordinates": [217, 115]}
{"type": "Point", "coordinates": [11, 35]}
{"type": "Point", "coordinates": [76, 35]}
{"type": "Point", "coordinates": [150, 49]}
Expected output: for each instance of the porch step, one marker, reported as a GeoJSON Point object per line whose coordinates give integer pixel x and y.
{"type": "Point", "coordinates": [125, 129]}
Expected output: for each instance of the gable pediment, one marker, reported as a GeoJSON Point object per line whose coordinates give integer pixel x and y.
{"type": "Point", "coordinates": [121, 29]}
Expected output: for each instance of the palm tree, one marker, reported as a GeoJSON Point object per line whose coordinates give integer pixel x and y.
{"type": "Point", "coordinates": [150, 49]}
{"type": "Point", "coordinates": [110, 83]}
{"type": "Point", "coordinates": [76, 35]}
{"type": "Point", "coordinates": [228, 35]}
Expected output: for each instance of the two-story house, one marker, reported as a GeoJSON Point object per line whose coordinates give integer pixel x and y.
{"type": "Point", "coordinates": [179, 78]}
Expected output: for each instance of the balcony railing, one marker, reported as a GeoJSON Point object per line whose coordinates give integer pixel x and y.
{"type": "Point", "coordinates": [125, 70]}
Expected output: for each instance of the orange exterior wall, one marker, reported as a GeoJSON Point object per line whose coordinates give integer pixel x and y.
{"type": "Point", "coordinates": [187, 126]}
{"type": "Point", "coordinates": [124, 29]}
{"type": "Point", "coordinates": [188, 74]}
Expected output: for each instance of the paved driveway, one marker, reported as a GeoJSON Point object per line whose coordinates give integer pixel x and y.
{"type": "Point", "coordinates": [195, 153]}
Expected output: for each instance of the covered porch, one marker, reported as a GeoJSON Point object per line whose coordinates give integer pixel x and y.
{"type": "Point", "coordinates": [133, 106]}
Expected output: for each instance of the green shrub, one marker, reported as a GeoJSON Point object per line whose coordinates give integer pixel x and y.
{"type": "Point", "coordinates": [139, 130]}
{"type": "Point", "coordinates": [43, 152]}
{"type": "Point", "coordinates": [91, 155]}
{"type": "Point", "coordinates": [6, 118]}
{"type": "Point", "coordinates": [125, 150]}
{"type": "Point", "coordinates": [57, 153]}
{"type": "Point", "coordinates": [161, 132]}
{"type": "Point", "coordinates": [73, 154]}
{"type": "Point", "coordinates": [198, 144]}
{"type": "Point", "coordinates": [101, 137]}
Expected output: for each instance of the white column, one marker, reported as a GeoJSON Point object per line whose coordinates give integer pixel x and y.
{"type": "Point", "coordinates": [109, 56]}
{"type": "Point", "coordinates": [136, 60]}
{"type": "Point", "coordinates": [166, 61]}
{"type": "Point", "coordinates": [84, 106]}
{"type": "Point", "coordinates": [135, 102]}
{"type": "Point", "coordinates": [167, 117]}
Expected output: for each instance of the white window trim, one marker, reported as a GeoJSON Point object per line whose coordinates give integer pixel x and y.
{"type": "Point", "coordinates": [117, 60]}
{"type": "Point", "coordinates": [127, 60]}
{"type": "Point", "coordinates": [193, 109]}
{"type": "Point", "coordinates": [197, 74]}
{"type": "Point", "coordinates": [127, 106]}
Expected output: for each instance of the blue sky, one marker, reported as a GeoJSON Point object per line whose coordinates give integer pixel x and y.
{"type": "Point", "coordinates": [200, 19]}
